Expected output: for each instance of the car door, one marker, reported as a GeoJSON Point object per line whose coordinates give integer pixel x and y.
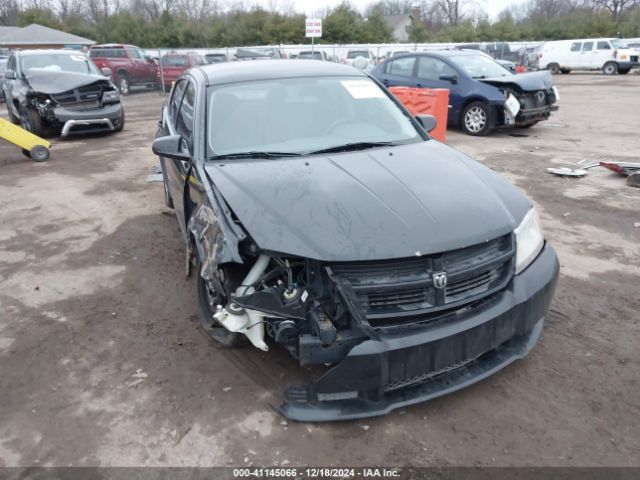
{"type": "Point", "coordinates": [574, 56]}
{"type": "Point", "coordinates": [138, 67]}
{"type": "Point", "coordinates": [148, 65]}
{"type": "Point", "coordinates": [430, 73]}
{"type": "Point", "coordinates": [176, 170]}
{"type": "Point", "coordinates": [399, 72]}
{"type": "Point", "coordinates": [12, 64]}
{"type": "Point", "coordinates": [601, 54]}
{"type": "Point", "coordinates": [586, 55]}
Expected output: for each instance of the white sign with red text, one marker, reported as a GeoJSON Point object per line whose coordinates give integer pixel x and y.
{"type": "Point", "coordinates": [313, 27]}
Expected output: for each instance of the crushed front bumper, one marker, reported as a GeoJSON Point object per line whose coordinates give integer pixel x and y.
{"type": "Point", "coordinates": [104, 119]}
{"type": "Point", "coordinates": [533, 115]}
{"type": "Point", "coordinates": [397, 370]}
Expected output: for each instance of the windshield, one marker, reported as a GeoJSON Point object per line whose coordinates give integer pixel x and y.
{"type": "Point", "coordinates": [617, 43]}
{"type": "Point", "coordinates": [57, 62]}
{"type": "Point", "coordinates": [311, 55]}
{"type": "Point", "coordinates": [358, 53]}
{"type": "Point", "coordinates": [302, 115]}
{"type": "Point", "coordinates": [479, 66]}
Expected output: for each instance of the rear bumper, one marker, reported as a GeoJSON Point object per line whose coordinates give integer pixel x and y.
{"type": "Point", "coordinates": [378, 376]}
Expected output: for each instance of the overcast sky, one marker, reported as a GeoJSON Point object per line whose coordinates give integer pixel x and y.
{"type": "Point", "coordinates": [312, 7]}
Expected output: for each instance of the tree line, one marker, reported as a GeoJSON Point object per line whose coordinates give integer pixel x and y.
{"type": "Point", "coordinates": [219, 23]}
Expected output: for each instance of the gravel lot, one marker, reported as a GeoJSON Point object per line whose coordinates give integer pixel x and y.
{"type": "Point", "coordinates": [101, 361]}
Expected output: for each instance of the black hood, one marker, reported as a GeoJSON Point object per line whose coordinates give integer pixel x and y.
{"type": "Point", "coordinates": [527, 82]}
{"type": "Point", "coordinates": [46, 81]}
{"type": "Point", "coordinates": [374, 204]}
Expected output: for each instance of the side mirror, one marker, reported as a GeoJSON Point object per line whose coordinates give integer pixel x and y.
{"type": "Point", "coordinates": [106, 72]}
{"type": "Point", "coordinates": [449, 78]}
{"type": "Point", "coordinates": [148, 58]}
{"type": "Point", "coordinates": [10, 75]}
{"type": "Point", "coordinates": [428, 122]}
{"type": "Point", "coordinates": [169, 147]}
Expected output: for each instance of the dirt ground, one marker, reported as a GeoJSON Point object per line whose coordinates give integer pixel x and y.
{"type": "Point", "coordinates": [102, 363]}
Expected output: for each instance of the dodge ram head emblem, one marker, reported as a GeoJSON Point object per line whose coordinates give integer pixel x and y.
{"type": "Point", "coordinates": [439, 279]}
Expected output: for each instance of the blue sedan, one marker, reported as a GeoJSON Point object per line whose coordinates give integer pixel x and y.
{"type": "Point", "coordinates": [483, 95]}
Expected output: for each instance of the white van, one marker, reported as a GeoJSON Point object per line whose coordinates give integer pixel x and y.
{"type": "Point", "coordinates": [611, 55]}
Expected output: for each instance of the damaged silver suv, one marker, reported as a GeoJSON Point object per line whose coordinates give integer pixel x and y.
{"type": "Point", "coordinates": [51, 92]}
{"type": "Point", "coordinates": [319, 216]}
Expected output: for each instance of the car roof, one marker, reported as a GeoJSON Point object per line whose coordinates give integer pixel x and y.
{"type": "Point", "coordinates": [253, 70]}
{"type": "Point", "coordinates": [113, 45]}
{"type": "Point", "coordinates": [47, 51]}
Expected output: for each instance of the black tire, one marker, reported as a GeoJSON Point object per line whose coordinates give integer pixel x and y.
{"type": "Point", "coordinates": [26, 153]}
{"type": "Point", "coordinates": [123, 83]}
{"type": "Point", "coordinates": [206, 308]}
{"type": "Point", "coordinates": [610, 68]}
{"type": "Point", "coordinates": [12, 118]}
{"type": "Point", "coordinates": [623, 71]}
{"type": "Point", "coordinates": [554, 68]}
{"type": "Point", "coordinates": [39, 153]}
{"type": "Point", "coordinates": [31, 121]}
{"type": "Point", "coordinates": [475, 119]}
{"type": "Point", "coordinates": [565, 71]}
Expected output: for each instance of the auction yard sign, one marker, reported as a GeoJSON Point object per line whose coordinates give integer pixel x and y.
{"type": "Point", "coordinates": [313, 27]}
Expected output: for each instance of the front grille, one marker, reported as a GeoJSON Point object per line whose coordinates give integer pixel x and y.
{"type": "Point", "coordinates": [388, 290]}
{"type": "Point", "coordinates": [534, 99]}
{"type": "Point", "coordinates": [82, 98]}
{"type": "Point", "coordinates": [634, 58]}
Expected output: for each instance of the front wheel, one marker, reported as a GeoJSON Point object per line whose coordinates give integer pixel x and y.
{"type": "Point", "coordinates": [565, 71]}
{"type": "Point", "coordinates": [610, 68]}
{"type": "Point", "coordinates": [208, 299]}
{"type": "Point", "coordinates": [31, 121]}
{"type": "Point", "coordinates": [475, 119]}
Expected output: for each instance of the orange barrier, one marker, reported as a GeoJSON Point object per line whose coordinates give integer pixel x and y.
{"type": "Point", "coordinates": [521, 69]}
{"type": "Point", "coordinates": [432, 101]}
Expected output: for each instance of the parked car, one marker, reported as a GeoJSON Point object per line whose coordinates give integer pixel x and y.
{"type": "Point", "coordinates": [483, 95]}
{"type": "Point", "coordinates": [3, 67]}
{"type": "Point", "coordinates": [319, 217]}
{"type": "Point", "coordinates": [52, 92]}
{"type": "Point", "coordinates": [251, 54]}
{"type": "Point", "coordinates": [216, 58]}
{"type": "Point", "coordinates": [173, 64]}
{"type": "Point", "coordinates": [129, 65]}
{"type": "Point", "coordinates": [611, 55]}
{"type": "Point", "coordinates": [361, 59]}
{"type": "Point", "coordinates": [314, 55]}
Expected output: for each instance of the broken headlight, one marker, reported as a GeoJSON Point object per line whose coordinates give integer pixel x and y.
{"type": "Point", "coordinates": [529, 238]}
{"type": "Point", "coordinates": [110, 96]}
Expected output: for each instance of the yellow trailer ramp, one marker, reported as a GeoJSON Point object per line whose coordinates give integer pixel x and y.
{"type": "Point", "coordinates": [32, 146]}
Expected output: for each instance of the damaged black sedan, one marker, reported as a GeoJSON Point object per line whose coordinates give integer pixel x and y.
{"type": "Point", "coordinates": [60, 92]}
{"type": "Point", "coordinates": [319, 216]}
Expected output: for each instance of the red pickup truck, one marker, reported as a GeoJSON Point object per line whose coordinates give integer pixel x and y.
{"type": "Point", "coordinates": [128, 64]}
{"type": "Point", "coordinates": [172, 65]}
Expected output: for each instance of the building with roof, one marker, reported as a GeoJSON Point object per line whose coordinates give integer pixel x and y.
{"type": "Point", "coordinates": [38, 36]}
{"type": "Point", "coordinates": [401, 24]}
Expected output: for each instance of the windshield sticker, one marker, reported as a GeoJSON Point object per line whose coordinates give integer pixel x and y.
{"type": "Point", "coordinates": [362, 89]}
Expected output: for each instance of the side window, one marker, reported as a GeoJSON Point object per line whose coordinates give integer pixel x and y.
{"type": "Point", "coordinates": [604, 46]}
{"type": "Point", "coordinates": [176, 98]}
{"type": "Point", "coordinates": [11, 64]}
{"type": "Point", "coordinates": [402, 67]}
{"type": "Point", "coordinates": [184, 124]}
{"type": "Point", "coordinates": [430, 68]}
{"type": "Point", "coordinates": [587, 46]}
{"type": "Point", "coordinates": [576, 46]}
{"type": "Point", "coordinates": [133, 53]}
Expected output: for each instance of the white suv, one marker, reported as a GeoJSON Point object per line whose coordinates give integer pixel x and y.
{"type": "Point", "coordinates": [611, 55]}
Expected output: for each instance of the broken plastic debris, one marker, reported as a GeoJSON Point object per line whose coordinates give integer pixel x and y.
{"type": "Point", "coordinates": [154, 178]}
{"type": "Point", "coordinates": [226, 389]}
{"type": "Point", "coordinates": [365, 427]}
{"type": "Point", "coordinates": [567, 172]}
